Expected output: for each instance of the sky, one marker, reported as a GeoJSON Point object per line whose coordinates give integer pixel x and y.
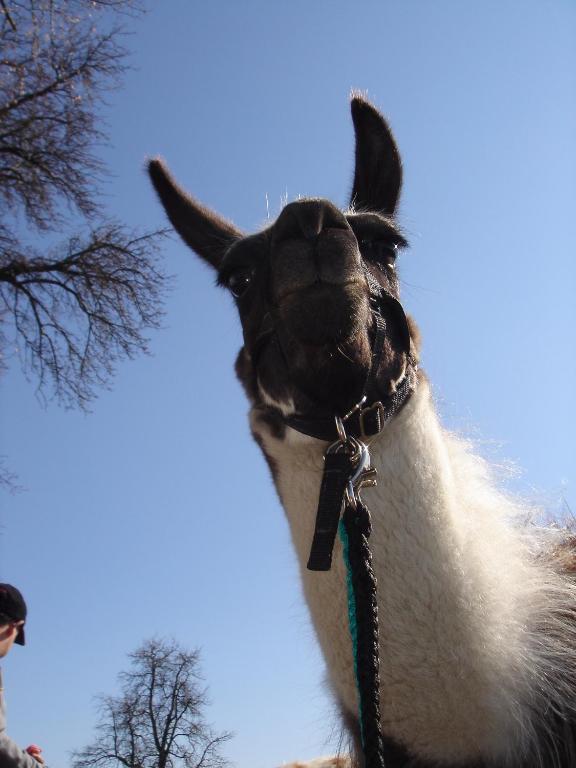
{"type": "Point", "coordinates": [155, 514]}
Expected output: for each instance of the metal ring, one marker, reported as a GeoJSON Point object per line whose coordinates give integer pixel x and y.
{"type": "Point", "coordinates": [340, 429]}
{"type": "Point", "coordinates": [351, 444]}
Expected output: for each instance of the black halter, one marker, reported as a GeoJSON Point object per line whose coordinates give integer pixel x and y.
{"type": "Point", "coordinates": [375, 408]}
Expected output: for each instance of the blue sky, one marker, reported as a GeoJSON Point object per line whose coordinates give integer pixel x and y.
{"type": "Point", "coordinates": [155, 514]}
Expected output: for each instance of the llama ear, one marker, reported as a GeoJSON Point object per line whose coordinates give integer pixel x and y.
{"type": "Point", "coordinates": [378, 174]}
{"type": "Point", "coordinates": [204, 231]}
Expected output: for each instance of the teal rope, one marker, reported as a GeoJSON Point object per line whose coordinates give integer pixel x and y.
{"type": "Point", "coordinates": [352, 622]}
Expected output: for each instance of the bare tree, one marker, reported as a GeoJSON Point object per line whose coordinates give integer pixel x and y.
{"type": "Point", "coordinates": [158, 719]}
{"type": "Point", "coordinates": [72, 309]}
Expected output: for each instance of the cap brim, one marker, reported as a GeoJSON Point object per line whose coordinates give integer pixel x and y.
{"type": "Point", "coordinates": [20, 638]}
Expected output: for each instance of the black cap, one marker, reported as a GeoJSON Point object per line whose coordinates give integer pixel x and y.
{"type": "Point", "coordinates": [13, 608]}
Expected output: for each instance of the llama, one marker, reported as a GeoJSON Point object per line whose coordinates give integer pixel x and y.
{"type": "Point", "coordinates": [477, 640]}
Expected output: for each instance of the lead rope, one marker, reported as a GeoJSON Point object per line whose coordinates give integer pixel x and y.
{"type": "Point", "coordinates": [354, 530]}
{"type": "Point", "coordinates": [346, 470]}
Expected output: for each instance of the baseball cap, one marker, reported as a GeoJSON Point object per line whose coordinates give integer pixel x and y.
{"type": "Point", "coordinates": [13, 608]}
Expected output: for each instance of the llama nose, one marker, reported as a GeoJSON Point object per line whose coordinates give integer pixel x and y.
{"type": "Point", "coordinates": [306, 219]}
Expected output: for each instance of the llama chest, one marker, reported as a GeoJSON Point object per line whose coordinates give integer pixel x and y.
{"type": "Point", "coordinates": [448, 687]}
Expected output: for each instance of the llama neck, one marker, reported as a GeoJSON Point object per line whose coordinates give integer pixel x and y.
{"type": "Point", "coordinates": [453, 588]}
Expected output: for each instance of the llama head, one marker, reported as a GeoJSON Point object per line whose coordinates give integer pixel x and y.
{"type": "Point", "coordinates": [302, 286]}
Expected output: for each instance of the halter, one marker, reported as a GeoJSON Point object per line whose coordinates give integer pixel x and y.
{"type": "Point", "coordinates": [347, 465]}
{"type": "Point", "coordinates": [374, 408]}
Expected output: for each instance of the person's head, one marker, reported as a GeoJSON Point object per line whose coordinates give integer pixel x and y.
{"type": "Point", "coordinates": [12, 618]}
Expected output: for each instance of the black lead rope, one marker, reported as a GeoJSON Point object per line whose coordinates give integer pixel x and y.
{"type": "Point", "coordinates": [346, 470]}
{"type": "Point", "coordinates": [355, 528]}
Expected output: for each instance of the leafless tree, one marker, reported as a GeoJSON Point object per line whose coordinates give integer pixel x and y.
{"type": "Point", "coordinates": [70, 309]}
{"type": "Point", "coordinates": [158, 719]}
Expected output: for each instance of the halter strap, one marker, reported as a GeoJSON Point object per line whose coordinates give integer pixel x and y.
{"type": "Point", "coordinates": [375, 408]}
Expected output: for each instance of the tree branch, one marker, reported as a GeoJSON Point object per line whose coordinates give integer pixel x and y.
{"type": "Point", "coordinates": [6, 13]}
{"type": "Point", "coordinates": [85, 309]}
{"type": "Point", "coordinates": [162, 685]}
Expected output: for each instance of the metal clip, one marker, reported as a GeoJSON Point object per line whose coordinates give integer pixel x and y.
{"type": "Point", "coordinates": [363, 475]}
{"type": "Point", "coordinates": [361, 470]}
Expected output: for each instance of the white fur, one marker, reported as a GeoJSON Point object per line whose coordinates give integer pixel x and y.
{"type": "Point", "coordinates": [286, 407]}
{"type": "Point", "coordinates": [473, 622]}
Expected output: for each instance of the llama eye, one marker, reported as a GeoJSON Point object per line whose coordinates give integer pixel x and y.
{"type": "Point", "coordinates": [239, 281]}
{"type": "Point", "coordinates": [379, 251]}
